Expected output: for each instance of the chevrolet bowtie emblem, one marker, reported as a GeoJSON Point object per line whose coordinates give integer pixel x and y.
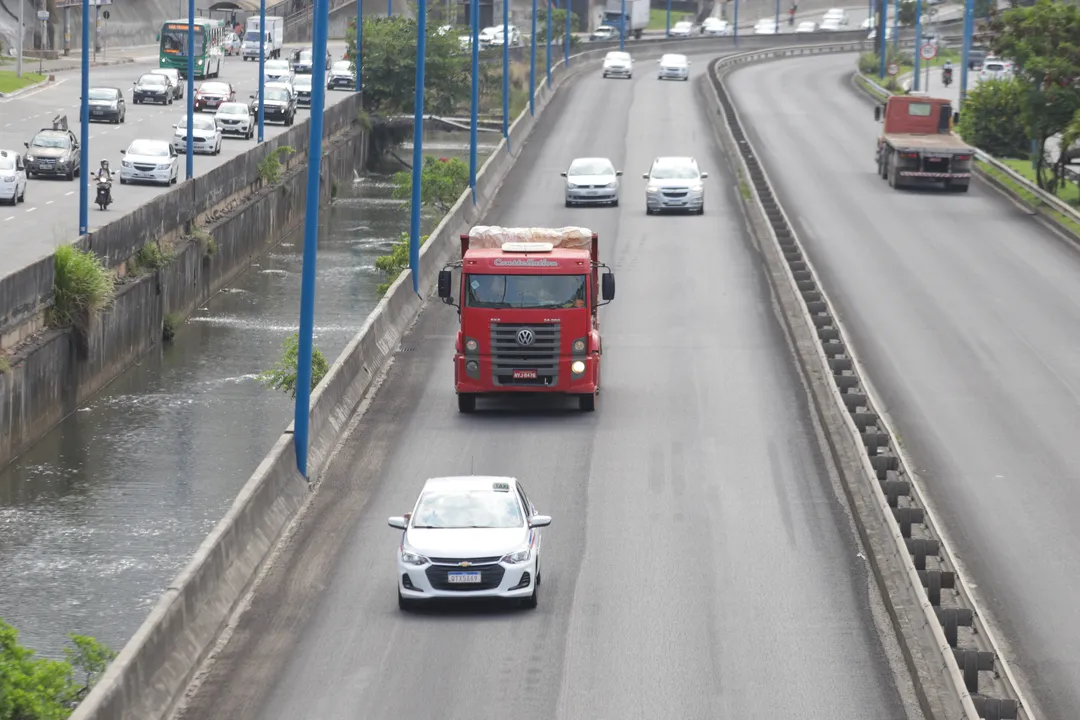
{"type": "Point", "coordinates": [465, 564]}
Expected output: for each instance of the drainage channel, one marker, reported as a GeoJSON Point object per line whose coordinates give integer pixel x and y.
{"type": "Point", "coordinates": [968, 639]}
{"type": "Point", "coordinates": [102, 512]}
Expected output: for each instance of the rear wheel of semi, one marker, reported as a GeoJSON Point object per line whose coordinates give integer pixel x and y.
{"type": "Point", "coordinates": [466, 402]}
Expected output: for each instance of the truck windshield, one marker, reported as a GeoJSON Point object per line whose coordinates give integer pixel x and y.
{"type": "Point", "coordinates": [525, 291]}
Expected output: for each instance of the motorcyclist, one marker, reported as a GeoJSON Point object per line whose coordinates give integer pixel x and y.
{"type": "Point", "coordinates": [103, 173]}
{"type": "Point", "coordinates": [946, 72]}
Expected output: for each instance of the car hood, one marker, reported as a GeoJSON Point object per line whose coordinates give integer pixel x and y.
{"type": "Point", "coordinates": [591, 179]}
{"type": "Point", "coordinates": [674, 183]}
{"type": "Point", "coordinates": [147, 159]}
{"type": "Point", "coordinates": [107, 103]}
{"type": "Point", "coordinates": [47, 152]}
{"type": "Point", "coordinates": [466, 542]}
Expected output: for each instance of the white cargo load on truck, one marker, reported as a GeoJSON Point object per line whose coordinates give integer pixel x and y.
{"type": "Point", "coordinates": [493, 237]}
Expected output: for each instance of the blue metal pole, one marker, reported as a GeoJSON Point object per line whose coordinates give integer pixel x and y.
{"type": "Point", "coordinates": [505, 73]}
{"type": "Point", "coordinates": [418, 141]}
{"type": "Point", "coordinates": [622, 26]}
{"type": "Point", "coordinates": [532, 63]}
{"type": "Point", "coordinates": [736, 24]}
{"type": "Point", "coordinates": [262, 65]}
{"type": "Point", "coordinates": [896, 26]}
{"type": "Point", "coordinates": [566, 38]}
{"type": "Point", "coordinates": [84, 123]}
{"type": "Point", "coordinates": [190, 166]}
{"type": "Point", "coordinates": [667, 32]}
{"type": "Point", "coordinates": [969, 28]}
{"type": "Point", "coordinates": [777, 17]}
{"type": "Point", "coordinates": [549, 45]}
{"type": "Point", "coordinates": [389, 8]}
{"type": "Point", "coordinates": [358, 61]}
{"type": "Point", "coordinates": [475, 103]}
{"type": "Point", "coordinates": [918, 44]}
{"type": "Point", "coordinates": [882, 42]}
{"type": "Point", "coordinates": [311, 236]}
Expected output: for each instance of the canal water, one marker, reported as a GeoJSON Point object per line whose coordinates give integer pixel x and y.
{"type": "Point", "coordinates": [102, 513]}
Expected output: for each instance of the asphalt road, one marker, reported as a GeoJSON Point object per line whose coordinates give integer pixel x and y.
{"type": "Point", "coordinates": [964, 309]}
{"type": "Point", "coordinates": [699, 564]}
{"type": "Point", "coordinates": [50, 216]}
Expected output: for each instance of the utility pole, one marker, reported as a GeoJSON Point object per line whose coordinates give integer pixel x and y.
{"type": "Point", "coordinates": [19, 42]}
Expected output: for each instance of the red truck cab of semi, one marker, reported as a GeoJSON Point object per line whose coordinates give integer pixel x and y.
{"type": "Point", "coordinates": [528, 301]}
{"type": "Point", "coordinates": [917, 145]}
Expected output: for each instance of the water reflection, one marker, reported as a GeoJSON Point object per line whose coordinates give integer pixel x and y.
{"type": "Point", "coordinates": [106, 509]}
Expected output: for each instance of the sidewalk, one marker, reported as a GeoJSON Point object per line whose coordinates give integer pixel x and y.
{"type": "Point", "coordinates": [105, 58]}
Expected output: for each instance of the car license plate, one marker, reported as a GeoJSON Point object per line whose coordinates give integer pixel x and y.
{"type": "Point", "coordinates": [97, 112]}
{"type": "Point", "coordinates": [524, 374]}
{"type": "Point", "coordinates": [463, 577]}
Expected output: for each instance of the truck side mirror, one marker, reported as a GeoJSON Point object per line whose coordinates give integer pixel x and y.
{"type": "Point", "coordinates": [956, 118]}
{"type": "Point", "coordinates": [877, 113]}
{"type": "Point", "coordinates": [607, 286]}
{"type": "Point", "coordinates": [445, 286]}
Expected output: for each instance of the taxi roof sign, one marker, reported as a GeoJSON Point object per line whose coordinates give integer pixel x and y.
{"type": "Point", "coordinates": [500, 487]}
{"type": "Point", "coordinates": [527, 247]}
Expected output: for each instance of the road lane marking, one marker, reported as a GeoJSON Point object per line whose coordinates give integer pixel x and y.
{"type": "Point", "coordinates": [70, 192]}
{"type": "Point", "coordinates": [48, 202]}
{"type": "Point", "coordinates": [10, 217]}
{"type": "Point", "coordinates": [32, 209]}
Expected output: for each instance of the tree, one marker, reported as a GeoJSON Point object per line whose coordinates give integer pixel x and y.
{"type": "Point", "coordinates": [558, 24]}
{"type": "Point", "coordinates": [283, 375]}
{"type": "Point", "coordinates": [397, 262]}
{"type": "Point", "coordinates": [389, 68]}
{"type": "Point", "coordinates": [441, 183]}
{"type": "Point", "coordinates": [1041, 40]}
{"type": "Point", "coordinates": [991, 119]}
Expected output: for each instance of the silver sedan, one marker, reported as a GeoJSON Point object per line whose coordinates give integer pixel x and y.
{"type": "Point", "coordinates": [592, 181]}
{"type": "Point", "coordinates": [674, 183]}
{"type": "Point", "coordinates": [674, 67]}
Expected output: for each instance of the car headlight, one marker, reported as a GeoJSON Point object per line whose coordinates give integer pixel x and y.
{"type": "Point", "coordinates": [125, 163]}
{"type": "Point", "coordinates": [571, 186]}
{"type": "Point", "coordinates": [652, 188]}
{"type": "Point", "coordinates": [577, 367]}
{"type": "Point", "coordinates": [518, 556]}
{"type": "Point", "coordinates": [411, 558]}
{"type": "Point", "coordinates": [29, 158]}
{"type": "Point", "coordinates": [697, 188]}
{"type": "Point", "coordinates": [166, 166]}
{"type": "Point", "coordinates": [8, 179]}
{"type": "Point", "coordinates": [610, 185]}
{"type": "Point", "coordinates": [579, 346]}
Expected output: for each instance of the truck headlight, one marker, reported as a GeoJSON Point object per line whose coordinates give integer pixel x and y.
{"type": "Point", "coordinates": [579, 345]}
{"type": "Point", "coordinates": [471, 345]}
{"type": "Point", "coordinates": [411, 558]}
{"type": "Point", "coordinates": [472, 366]}
{"type": "Point", "coordinates": [577, 367]}
{"type": "Point", "coordinates": [518, 556]}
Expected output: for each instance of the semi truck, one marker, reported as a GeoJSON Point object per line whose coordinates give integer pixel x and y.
{"type": "Point", "coordinates": [637, 16]}
{"type": "Point", "coordinates": [528, 301]}
{"type": "Point", "coordinates": [917, 145]}
{"type": "Point", "coordinates": [275, 38]}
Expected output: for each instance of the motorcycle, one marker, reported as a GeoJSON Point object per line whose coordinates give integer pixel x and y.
{"type": "Point", "coordinates": [104, 193]}
{"type": "Point", "coordinates": [946, 77]}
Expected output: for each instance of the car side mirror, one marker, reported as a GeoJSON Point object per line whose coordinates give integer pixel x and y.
{"type": "Point", "coordinates": [176, 126]}
{"type": "Point", "coordinates": [398, 522]}
{"type": "Point", "coordinates": [618, 173]}
{"type": "Point", "coordinates": [562, 174]}
{"type": "Point", "coordinates": [877, 113]}
{"type": "Point", "coordinates": [704, 175]}
{"type": "Point", "coordinates": [122, 152]}
{"type": "Point", "coordinates": [26, 144]}
{"type": "Point", "coordinates": [446, 285]}
{"type": "Point", "coordinates": [537, 521]}
{"type": "Point", "coordinates": [645, 175]}
{"type": "Point", "coordinates": [607, 286]}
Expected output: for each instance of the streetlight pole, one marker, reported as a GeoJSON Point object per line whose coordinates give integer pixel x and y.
{"type": "Point", "coordinates": [262, 68]}
{"type": "Point", "coordinates": [302, 411]}
{"type": "Point", "coordinates": [505, 73]}
{"type": "Point", "coordinates": [777, 17]}
{"type": "Point", "coordinates": [882, 42]}
{"type": "Point", "coordinates": [896, 27]}
{"type": "Point", "coordinates": [667, 32]}
{"type": "Point", "coordinates": [735, 25]}
{"type": "Point", "coordinates": [566, 38]}
{"type": "Point", "coordinates": [84, 121]}
{"type": "Point", "coordinates": [548, 55]}
{"type": "Point", "coordinates": [918, 44]}
{"type": "Point", "coordinates": [190, 160]}
{"type": "Point", "coordinates": [418, 143]}
{"type": "Point", "coordinates": [358, 61]}
{"type": "Point", "coordinates": [532, 63]}
{"type": "Point", "coordinates": [622, 24]}
{"type": "Point", "coordinates": [19, 42]}
{"type": "Point", "coordinates": [969, 29]}
{"type": "Point", "coordinates": [475, 103]}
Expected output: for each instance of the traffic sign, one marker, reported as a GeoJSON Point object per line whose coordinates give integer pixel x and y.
{"type": "Point", "coordinates": [928, 51]}
{"type": "Point", "coordinates": [42, 15]}
{"type": "Point", "coordinates": [893, 68]}
{"type": "Point", "coordinates": [105, 14]}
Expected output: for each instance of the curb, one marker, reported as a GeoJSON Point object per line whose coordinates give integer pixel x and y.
{"type": "Point", "coordinates": [28, 88]}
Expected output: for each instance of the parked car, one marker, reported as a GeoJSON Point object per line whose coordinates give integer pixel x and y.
{"type": "Point", "coordinates": [152, 87]}
{"type": "Point", "coordinates": [212, 94]}
{"type": "Point", "coordinates": [107, 103]}
{"type": "Point", "coordinates": [53, 152]}
{"type": "Point", "coordinates": [151, 161]}
{"type": "Point", "coordinates": [236, 118]}
{"type": "Point", "coordinates": [205, 136]}
{"type": "Point", "coordinates": [515, 36]}
{"type": "Point", "coordinates": [674, 67]}
{"type": "Point", "coordinates": [12, 177]}
{"type": "Point", "coordinates": [341, 75]}
{"type": "Point", "coordinates": [174, 78]}
{"type": "Point", "coordinates": [765, 26]}
{"type": "Point", "coordinates": [716, 27]}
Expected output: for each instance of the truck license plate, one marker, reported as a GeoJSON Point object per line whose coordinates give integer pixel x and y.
{"type": "Point", "coordinates": [463, 577]}
{"type": "Point", "coordinates": [524, 374]}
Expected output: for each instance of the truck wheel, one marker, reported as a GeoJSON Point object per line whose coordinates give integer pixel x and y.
{"type": "Point", "coordinates": [587, 403]}
{"type": "Point", "coordinates": [466, 402]}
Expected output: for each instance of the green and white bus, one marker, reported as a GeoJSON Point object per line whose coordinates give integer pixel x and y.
{"type": "Point", "coordinates": [209, 46]}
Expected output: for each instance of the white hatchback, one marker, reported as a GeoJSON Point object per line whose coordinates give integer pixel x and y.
{"type": "Point", "coordinates": [618, 64]}
{"type": "Point", "coordinates": [151, 161]}
{"type": "Point", "coordinates": [469, 537]}
{"type": "Point", "coordinates": [12, 177]}
{"type": "Point", "coordinates": [765, 26]}
{"type": "Point", "coordinates": [716, 27]}
{"type": "Point", "coordinates": [682, 29]}
{"type": "Point", "coordinates": [205, 136]}
{"type": "Point", "coordinates": [674, 67]}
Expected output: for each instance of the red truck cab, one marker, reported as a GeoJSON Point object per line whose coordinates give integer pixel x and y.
{"type": "Point", "coordinates": [917, 144]}
{"type": "Point", "coordinates": [528, 302]}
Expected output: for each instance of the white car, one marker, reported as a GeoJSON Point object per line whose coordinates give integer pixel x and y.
{"type": "Point", "coordinates": [831, 25]}
{"type": "Point", "coordinates": [618, 64]}
{"type": "Point", "coordinates": [873, 33]}
{"type": "Point", "coordinates": [591, 180]}
{"type": "Point", "coordinates": [674, 67]}
{"type": "Point", "coordinates": [995, 69]}
{"type": "Point", "coordinates": [838, 14]}
{"type": "Point", "coordinates": [470, 537]}
{"type": "Point", "coordinates": [12, 177]}
{"type": "Point", "coordinates": [341, 75]}
{"type": "Point", "coordinates": [716, 27]}
{"type": "Point", "coordinates": [205, 136]}
{"type": "Point", "coordinates": [681, 29]}
{"type": "Point", "coordinates": [765, 26]}
{"type": "Point", "coordinates": [675, 183]}
{"type": "Point", "coordinates": [275, 70]}
{"type": "Point", "coordinates": [807, 26]}
{"type": "Point", "coordinates": [235, 118]}
{"type": "Point", "coordinates": [303, 90]}
{"type": "Point", "coordinates": [487, 35]}
{"type": "Point", "coordinates": [149, 161]}
{"type": "Point", "coordinates": [497, 38]}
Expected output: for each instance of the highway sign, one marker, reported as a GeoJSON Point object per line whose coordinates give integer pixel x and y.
{"type": "Point", "coordinates": [893, 68]}
{"type": "Point", "coordinates": [42, 15]}
{"type": "Point", "coordinates": [928, 51]}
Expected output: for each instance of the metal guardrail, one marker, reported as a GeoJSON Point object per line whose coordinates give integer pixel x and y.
{"type": "Point", "coordinates": [1041, 195]}
{"type": "Point", "coordinates": [931, 569]}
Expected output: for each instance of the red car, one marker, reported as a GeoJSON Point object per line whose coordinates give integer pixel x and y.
{"type": "Point", "coordinates": [210, 95]}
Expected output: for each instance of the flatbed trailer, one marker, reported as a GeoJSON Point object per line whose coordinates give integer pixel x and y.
{"type": "Point", "coordinates": [917, 146]}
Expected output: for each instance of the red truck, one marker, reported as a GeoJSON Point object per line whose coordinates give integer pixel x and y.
{"type": "Point", "coordinates": [528, 307]}
{"type": "Point", "coordinates": [917, 145]}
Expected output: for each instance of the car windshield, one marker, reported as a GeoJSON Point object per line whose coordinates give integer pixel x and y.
{"type": "Point", "coordinates": [342, 66]}
{"type": "Point", "coordinates": [279, 95]}
{"type": "Point", "coordinates": [499, 292]}
{"type": "Point", "coordinates": [674, 172]}
{"type": "Point", "coordinates": [468, 509]}
{"type": "Point", "coordinates": [673, 60]}
{"type": "Point", "coordinates": [51, 140]}
{"type": "Point", "coordinates": [590, 167]}
{"type": "Point", "coordinates": [303, 82]}
{"type": "Point", "coordinates": [148, 147]}
{"type": "Point", "coordinates": [213, 88]}
{"type": "Point", "coordinates": [201, 123]}
{"type": "Point", "coordinates": [102, 94]}
{"type": "Point", "coordinates": [277, 66]}
{"type": "Point", "coordinates": [304, 56]}
{"type": "Point", "coordinates": [7, 163]}
{"type": "Point", "coordinates": [619, 56]}
{"type": "Point", "coordinates": [174, 42]}
{"type": "Point", "coordinates": [233, 109]}
{"type": "Point", "coordinates": [152, 80]}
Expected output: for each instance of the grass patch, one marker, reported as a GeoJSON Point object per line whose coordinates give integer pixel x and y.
{"type": "Point", "coordinates": [150, 258]}
{"type": "Point", "coordinates": [169, 325]}
{"type": "Point", "coordinates": [82, 288]}
{"type": "Point", "coordinates": [658, 18]}
{"type": "Point", "coordinates": [9, 82]}
{"type": "Point", "coordinates": [205, 240]}
{"type": "Point", "coordinates": [5, 365]}
{"type": "Point", "coordinates": [1025, 195]}
{"type": "Point", "coordinates": [1067, 192]}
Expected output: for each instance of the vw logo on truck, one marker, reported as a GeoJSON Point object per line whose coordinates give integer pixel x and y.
{"type": "Point", "coordinates": [525, 336]}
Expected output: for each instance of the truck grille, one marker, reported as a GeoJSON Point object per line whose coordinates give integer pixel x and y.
{"type": "Point", "coordinates": [541, 355]}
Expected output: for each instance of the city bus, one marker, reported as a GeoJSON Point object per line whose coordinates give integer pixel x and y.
{"type": "Point", "coordinates": [209, 46]}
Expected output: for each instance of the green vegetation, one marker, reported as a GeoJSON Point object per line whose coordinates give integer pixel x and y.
{"type": "Point", "coordinates": [82, 287]}
{"type": "Point", "coordinates": [1026, 196]}
{"type": "Point", "coordinates": [658, 18]}
{"type": "Point", "coordinates": [169, 324]}
{"type": "Point", "coordinates": [270, 168]}
{"type": "Point", "coordinates": [9, 82]}
{"type": "Point", "coordinates": [442, 181]}
{"type": "Point", "coordinates": [283, 375]}
{"type": "Point", "coordinates": [397, 262]}
{"type": "Point", "coordinates": [989, 121]}
{"type": "Point", "coordinates": [870, 65]}
{"type": "Point", "coordinates": [558, 28]}
{"type": "Point", "coordinates": [150, 258]}
{"type": "Point", "coordinates": [5, 365]}
{"type": "Point", "coordinates": [33, 688]}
